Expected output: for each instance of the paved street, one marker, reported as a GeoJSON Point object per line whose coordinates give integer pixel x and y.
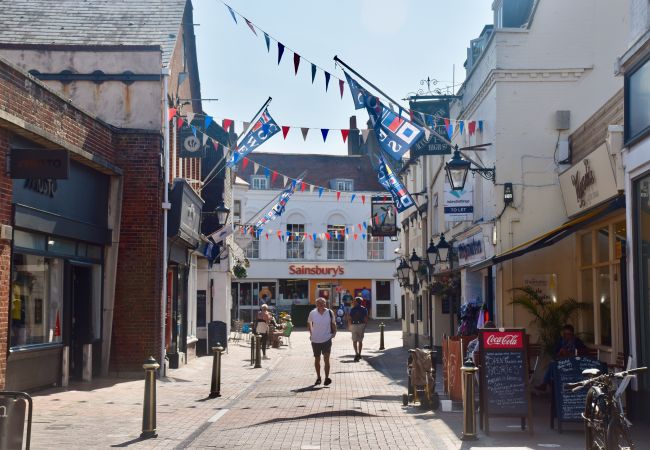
{"type": "Point", "coordinates": [275, 407]}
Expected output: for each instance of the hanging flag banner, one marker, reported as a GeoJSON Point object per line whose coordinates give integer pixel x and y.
{"type": "Point", "coordinates": [357, 92]}
{"type": "Point", "coordinates": [262, 130]}
{"type": "Point", "coordinates": [280, 206]}
{"type": "Point", "coordinates": [383, 217]}
{"type": "Point", "coordinates": [392, 184]}
{"type": "Point", "coordinates": [459, 204]}
{"type": "Point", "coordinates": [221, 234]}
{"type": "Point", "coordinates": [436, 110]}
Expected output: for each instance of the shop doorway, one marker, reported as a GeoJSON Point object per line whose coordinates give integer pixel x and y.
{"type": "Point", "coordinates": [81, 295]}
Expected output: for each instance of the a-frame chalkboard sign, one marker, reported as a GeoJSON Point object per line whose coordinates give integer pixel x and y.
{"type": "Point", "coordinates": [503, 371]}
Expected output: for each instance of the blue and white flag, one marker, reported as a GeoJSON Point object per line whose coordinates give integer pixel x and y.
{"type": "Point", "coordinates": [280, 206]}
{"type": "Point", "coordinates": [262, 130]}
{"type": "Point", "coordinates": [395, 134]}
{"type": "Point", "coordinates": [392, 184]}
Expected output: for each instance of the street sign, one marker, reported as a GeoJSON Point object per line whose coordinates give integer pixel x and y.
{"type": "Point", "coordinates": [383, 217]}
{"type": "Point", "coordinates": [37, 163]}
{"type": "Point", "coordinates": [434, 110]}
{"type": "Point", "coordinates": [190, 143]}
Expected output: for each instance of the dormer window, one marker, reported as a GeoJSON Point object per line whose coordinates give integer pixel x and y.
{"type": "Point", "coordinates": [259, 182]}
{"type": "Point", "coordinates": [512, 13]}
{"type": "Point", "coordinates": [342, 184]}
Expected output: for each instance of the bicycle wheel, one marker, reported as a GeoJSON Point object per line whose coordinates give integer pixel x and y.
{"type": "Point", "coordinates": [618, 436]}
{"type": "Point", "coordinates": [595, 420]}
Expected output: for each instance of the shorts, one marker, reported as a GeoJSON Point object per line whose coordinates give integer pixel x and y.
{"type": "Point", "coordinates": [319, 348]}
{"type": "Point", "coordinates": [357, 330]}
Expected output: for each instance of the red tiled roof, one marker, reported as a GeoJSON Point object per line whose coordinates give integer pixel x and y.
{"type": "Point", "coordinates": [320, 169]}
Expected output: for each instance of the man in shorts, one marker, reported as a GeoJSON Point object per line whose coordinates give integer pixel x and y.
{"type": "Point", "coordinates": [322, 328]}
{"type": "Point", "coordinates": [357, 320]}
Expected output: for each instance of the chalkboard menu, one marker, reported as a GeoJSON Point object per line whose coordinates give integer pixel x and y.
{"type": "Point", "coordinates": [570, 405]}
{"type": "Point", "coordinates": [504, 375]}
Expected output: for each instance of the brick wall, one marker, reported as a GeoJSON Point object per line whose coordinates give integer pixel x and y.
{"type": "Point", "coordinates": [5, 258]}
{"type": "Point", "coordinates": [136, 320]}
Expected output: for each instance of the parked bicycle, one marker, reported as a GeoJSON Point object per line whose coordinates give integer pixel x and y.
{"type": "Point", "coordinates": [606, 427]}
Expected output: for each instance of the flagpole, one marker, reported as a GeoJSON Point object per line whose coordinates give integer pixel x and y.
{"type": "Point", "coordinates": [439, 136]}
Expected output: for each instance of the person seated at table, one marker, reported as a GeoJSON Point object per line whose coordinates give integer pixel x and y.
{"type": "Point", "coordinates": [569, 345]}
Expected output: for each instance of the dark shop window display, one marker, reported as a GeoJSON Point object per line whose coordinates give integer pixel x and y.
{"type": "Point", "coordinates": [36, 300]}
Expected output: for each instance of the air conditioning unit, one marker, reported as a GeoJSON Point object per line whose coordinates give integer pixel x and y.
{"type": "Point", "coordinates": [318, 242]}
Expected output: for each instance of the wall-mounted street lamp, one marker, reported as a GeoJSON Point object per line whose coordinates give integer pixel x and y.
{"type": "Point", "coordinates": [432, 254]}
{"type": "Point", "coordinates": [414, 262]}
{"type": "Point", "coordinates": [443, 249]}
{"type": "Point", "coordinates": [222, 212]}
{"type": "Point", "coordinates": [403, 272]}
{"type": "Point", "coordinates": [458, 167]}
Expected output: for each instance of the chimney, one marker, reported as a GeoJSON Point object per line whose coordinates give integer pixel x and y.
{"type": "Point", "coordinates": [354, 138]}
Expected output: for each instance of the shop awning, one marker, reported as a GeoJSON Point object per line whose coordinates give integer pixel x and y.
{"type": "Point", "coordinates": [556, 235]}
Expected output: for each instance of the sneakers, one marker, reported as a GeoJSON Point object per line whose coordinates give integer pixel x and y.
{"type": "Point", "coordinates": [328, 381]}
{"type": "Point", "coordinates": [318, 381]}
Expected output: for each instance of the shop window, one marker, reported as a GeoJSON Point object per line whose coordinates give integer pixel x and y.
{"type": "Point", "coordinates": [61, 246]}
{"type": "Point", "coordinates": [36, 300]}
{"type": "Point", "coordinates": [253, 249]}
{"type": "Point", "coordinates": [384, 310]}
{"type": "Point", "coordinates": [637, 102]}
{"type": "Point", "coordinates": [375, 247]}
{"type": "Point", "coordinates": [29, 241]}
{"type": "Point", "coordinates": [295, 241]}
{"type": "Point", "coordinates": [602, 244]}
{"type": "Point", "coordinates": [383, 291]}
{"type": "Point", "coordinates": [294, 290]}
{"type": "Point", "coordinates": [259, 182]}
{"type": "Point", "coordinates": [336, 243]}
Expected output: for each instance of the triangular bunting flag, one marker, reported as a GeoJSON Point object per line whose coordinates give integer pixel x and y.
{"type": "Point", "coordinates": [284, 180]}
{"type": "Point", "coordinates": [365, 225]}
{"type": "Point", "coordinates": [245, 125]}
{"type": "Point", "coordinates": [364, 134]}
{"type": "Point", "coordinates": [344, 135]}
{"type": "Point", "coordinates": [250, 25]}
{"type": "Point", "coordinates": [296, 63]}
{"type": "Point", "coordinates": [324, 132]}
{"type": "Point", "coordinates": [313, 73]}
{"type": "Point", "coordinates": [244, 163]}
{"type": "Point", "coordinates": [267, 172]}
{"type": "Point", "coordinates": [256, 167]}
{"type": "Point", "coordinates": [311, 188]}
{"type": "Point", "coordinates": [304, 133]}
{"type": "Point", "coordinates": [190, 117]}
{"type": "Point", "coordinates": [232, 13]}
{"type": "Point", "coordinates": [275, 175]}
{"type": "Point", "coordinates": [205, 139]}
{"type": "Point", "coordinates": [285, 131]}
{"type": "Point", "coordinates": [280, 51]}
{"type": "Point", "coordinates": [226, 124]}
{"type": "Point", "coordinates": [355, 236]}
{"type": "Point", "coordinates": [180, 122]}
{"type": "Point", "coordinates": [338, 195]}
{"type": "Point", "coordinates": [461, 127]}
{"type": "Point", "coordinates": [216, 145]}
{"type": "Point", "coordinates": [359, 225]}
{"type": "Point", "coordinates": [327, 80]}
{"type": "Point", "coordinates": [267, 236]}
{"type": "Point", "coordinates": [353, 197]}
{"type": "Point", "coordinates": [480, 126]}
{"type": "Point", "coordinates": [341, 87]}
{"type": "Point", "coordinates": [363, 236]}
{"type": "Point", "coordinates": [320, 191]}
{"type": "Point", "coordinates": [471, 127]}
{"type": "Point", "coordinates": [267, 39]}
{"type": "Point", "coordinates": [208, 121]}
{"type": "Point", "coordinates": [171, 112]}
{"type": "Point", "coordinates": [303, 186]}
{"type": "Point", "coordinates": [363, 199]}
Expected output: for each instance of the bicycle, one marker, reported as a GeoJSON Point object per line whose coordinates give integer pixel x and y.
{"type": "Point", "coordinates": [606, 427]}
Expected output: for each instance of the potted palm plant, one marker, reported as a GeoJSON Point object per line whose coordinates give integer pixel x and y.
{"type": "Point", "coordinates": [548, 317]}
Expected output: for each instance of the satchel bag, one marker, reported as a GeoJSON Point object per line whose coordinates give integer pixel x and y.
{"type": "Point", "coordinates": [332, 323]}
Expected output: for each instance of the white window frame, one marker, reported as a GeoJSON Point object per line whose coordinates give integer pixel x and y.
{"type": "Point", "coordinates": [376, 248]}
{"type": "Point", "coordinates": [253, 249]}
{"type": "Point", "coordinates": [343, 184]}
{"type": "Point", "coordinates": [257, 184]}
{"type": "Point", "coordinates": [295, 244]}
{"type": "Point", "coordinates": [336, 247]}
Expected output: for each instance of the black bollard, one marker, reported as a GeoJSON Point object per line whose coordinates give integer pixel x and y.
{"type": "Point", "coordinates": [149, 406]}
{"type": "Point", "coordinates": [215, 384]}
{"type": "Point", "coordinates": [381, 336]}
{"type": "Point", "coordinates": [253, 348]}
{"type": "Point", "coordinates": [258, 351]}
{"type": "Point", "coordinates": [469, 408]}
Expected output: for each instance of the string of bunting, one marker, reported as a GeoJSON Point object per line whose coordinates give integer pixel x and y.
{"type": "Point", "coordinates": [428, 119]}
{"type": "Point", "coordinates": [472, 127]}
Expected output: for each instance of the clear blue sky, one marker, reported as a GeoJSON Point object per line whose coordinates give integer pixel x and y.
{"type": "Point", "coordinates": [394, 44]}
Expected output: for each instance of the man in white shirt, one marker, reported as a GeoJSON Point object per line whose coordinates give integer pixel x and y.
{"type": "Point", "coordinates": [322, 328]}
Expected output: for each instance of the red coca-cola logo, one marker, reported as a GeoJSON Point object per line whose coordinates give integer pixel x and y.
{"type": "Point", "coordinates": [503, 339]}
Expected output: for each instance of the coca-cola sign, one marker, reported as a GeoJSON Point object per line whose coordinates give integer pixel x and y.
{"type": "Point", "coordinates": [503, 339]}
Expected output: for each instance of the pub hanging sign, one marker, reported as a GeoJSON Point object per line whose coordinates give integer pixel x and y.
{"type": "Point", "coordinates": [37, 163]}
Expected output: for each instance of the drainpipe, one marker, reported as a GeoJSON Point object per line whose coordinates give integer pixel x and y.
{"type": "Point", "coordinates": [166, 206]}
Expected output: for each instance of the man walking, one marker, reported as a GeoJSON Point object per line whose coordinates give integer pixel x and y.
{"type": "Point", "coordinates": [357, 320]}
{"type": "Point", "coordinates": [322, 328]}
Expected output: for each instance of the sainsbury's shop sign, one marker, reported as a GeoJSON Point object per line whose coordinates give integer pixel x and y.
{"type": "Point", "coordinates": [316, 269]}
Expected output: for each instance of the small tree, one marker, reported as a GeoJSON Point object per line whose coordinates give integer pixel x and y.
{"type": "Point", "coordinates": [548, 317]}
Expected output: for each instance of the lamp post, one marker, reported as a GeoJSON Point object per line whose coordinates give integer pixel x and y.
{"type": "Point", "coordinates": [432, 254]}
{"type": "Point", "coordinates": [458, 167]}
{"type": "Point", "coordinates": [222, 212]}
{"type": "Point", "coordinates": [443, 249]}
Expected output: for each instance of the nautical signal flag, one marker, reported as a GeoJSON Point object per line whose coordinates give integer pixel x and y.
{"type": "Point", "coordinates": [392, 184]}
